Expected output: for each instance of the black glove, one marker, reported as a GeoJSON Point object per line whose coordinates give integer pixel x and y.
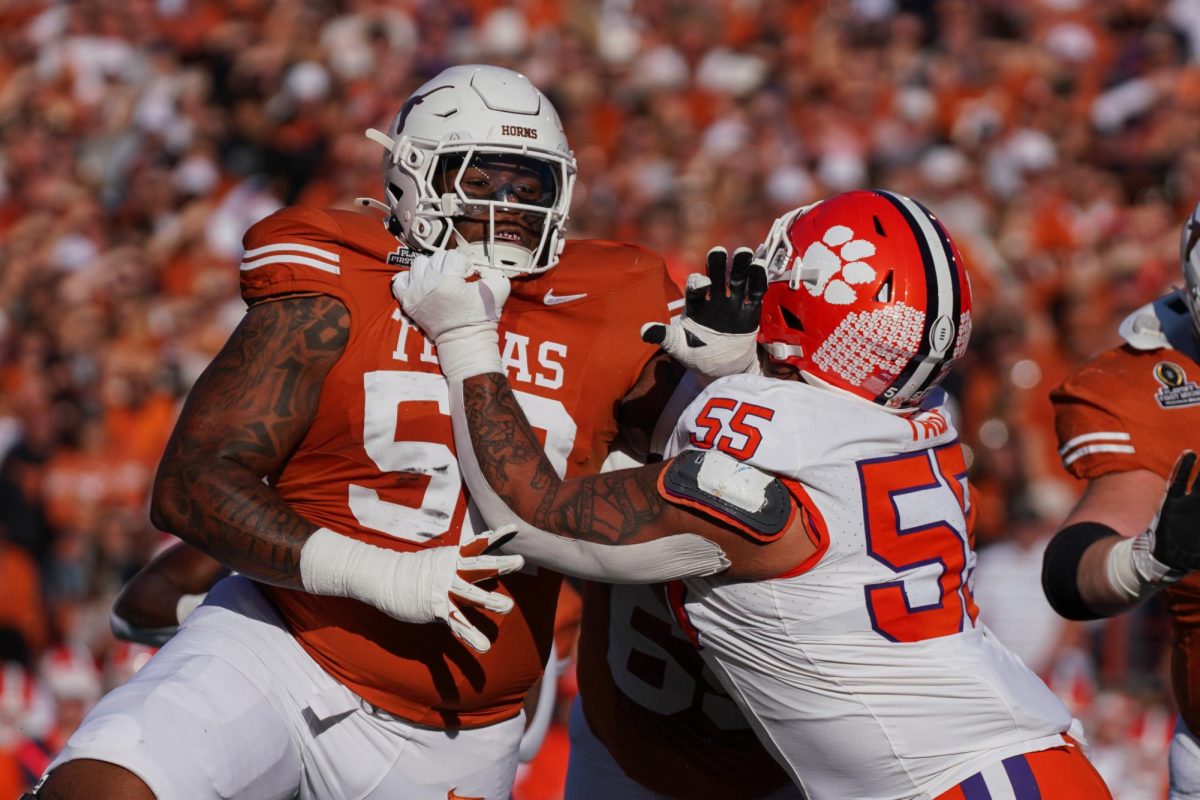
{"type": "Point", "coordinates": [1176, 529]}
{"type": "Point", "coordinates": [717, 334]}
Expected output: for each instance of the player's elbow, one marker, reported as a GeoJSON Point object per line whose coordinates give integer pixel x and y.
{"type": "Point", "coordinates": [167, 509]}
{"type": "Point", "coordinates": [161, 516]}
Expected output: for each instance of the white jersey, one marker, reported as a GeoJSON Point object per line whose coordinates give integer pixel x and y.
{"type": "Point", "coordinates": [865, 668]}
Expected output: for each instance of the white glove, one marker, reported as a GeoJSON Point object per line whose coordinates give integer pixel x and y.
{"type": "Point", "coordinates": [718, 332]}
{"type": "Point", "coordinates": [458, 316]}
{"type": "Point", "coordinates": [421, 586]}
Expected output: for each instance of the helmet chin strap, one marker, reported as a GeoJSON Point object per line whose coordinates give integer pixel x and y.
{"type": "Point", "coordinates": [512, 259]}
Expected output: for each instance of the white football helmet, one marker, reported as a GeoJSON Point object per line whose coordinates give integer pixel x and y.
{"type": "Point", "coordinates": [1189, 257]}
{"type": "Point", "coordinates": [475, 143]}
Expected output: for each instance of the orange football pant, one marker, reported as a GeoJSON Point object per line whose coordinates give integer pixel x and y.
{"type": "Point", "coordinates": [1060, 773]}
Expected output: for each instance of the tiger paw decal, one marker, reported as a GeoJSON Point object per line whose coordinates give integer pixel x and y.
{"type": "Point", "coordinates": [838, 259]}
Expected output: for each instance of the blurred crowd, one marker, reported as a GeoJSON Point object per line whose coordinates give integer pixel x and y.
{"type": "Point", "coordinates": [1059, 140]}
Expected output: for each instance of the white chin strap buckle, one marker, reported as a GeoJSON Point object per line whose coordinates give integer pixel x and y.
{"type": "Point", "coordinates": [508, 258]}
{"type": "Point", "coordinates": [782, 351]}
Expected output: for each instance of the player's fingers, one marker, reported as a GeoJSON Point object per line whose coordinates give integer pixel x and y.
{"type": "Point", "coordinates": [654, 332]}
{"type": "Point", "coordinates": [477, 575]}
{"type": "Point", "coordinates": [401, 282]}
{"type": "Point", "coordinates": [717, 261]}
{"type": "Point", "coordinates": [467, 633]}
{"type": "Point", "coordinates": [756, 283]}
{"type": "Point", "coordinates": [739, 266]}
{"type": "Point", "coordinates": [695, 293]}
{"type": "Point", "coordinates": [473, 548]}
{"type": "Point", "coordinates": [1181, 474]}
{"type": "Point", "coordinates": [501, 565]}
{"type": "Point", "coordinates": [493, 291]}
{"type": "Point", "coordinates": [488, 541]}
{"type": "Point", "coordinates": [499, 537]}
{"type": "Point", "coordinates": [471, 594]}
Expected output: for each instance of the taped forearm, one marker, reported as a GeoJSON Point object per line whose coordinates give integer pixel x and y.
{"type": "Point", "coordinates": [681, 555]}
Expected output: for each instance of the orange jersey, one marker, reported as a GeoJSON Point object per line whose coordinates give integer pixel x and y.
{"type": "Point", "coordinates": [1128, 409]}
{"type": "Point", "coordinates": [378, 462]}
{"type": "Point", "coordinates": [1131, 409]}
{"type": "Point", "coordinates": [646, 692]}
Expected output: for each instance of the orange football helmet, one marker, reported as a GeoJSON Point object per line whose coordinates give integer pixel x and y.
{"type": "Point", "coordinates": [867, 294]}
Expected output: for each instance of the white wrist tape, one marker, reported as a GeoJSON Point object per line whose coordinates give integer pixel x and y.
{"type": "Point", "coordinates": [465, 352]}
{"type": "Point", "coordinates": [187, 604]}
{"type": "Point", "coordinates": [401, 585]}
{"type": "Point", "coordinates": [1134, 571]}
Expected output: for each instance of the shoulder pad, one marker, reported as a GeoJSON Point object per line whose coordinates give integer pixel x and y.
{"type": "Point", "coordinates": [754, 501]}
{"type": "Point", "coordinates": [1163, 324]}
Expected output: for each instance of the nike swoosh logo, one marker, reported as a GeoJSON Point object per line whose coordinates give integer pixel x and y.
{"type": "Point", "coordinates": [453, 795]}
{"type": "Point", "coordinates": [552, 300]}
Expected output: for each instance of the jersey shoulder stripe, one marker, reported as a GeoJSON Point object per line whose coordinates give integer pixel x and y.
{"type": "Point", "coordinates": [1125, 409]}
{"type": "Point", "coordinates": [296, 250]}
{"type": "Point", "coordinates": [322, 259]}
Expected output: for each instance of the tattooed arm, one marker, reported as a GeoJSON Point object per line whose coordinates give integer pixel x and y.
{"type": "Point", "coordinates": [244, 417]}
{"type": "Point", "coordinates": [614, 508]}
{"type": "Point", "coordinates": [246, 414]}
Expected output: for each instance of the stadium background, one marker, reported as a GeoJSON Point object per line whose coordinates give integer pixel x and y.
{"type": "Point", "coordinates": [1059, 140]}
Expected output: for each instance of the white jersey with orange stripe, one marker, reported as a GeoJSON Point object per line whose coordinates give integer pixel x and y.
{"type": "Point", "coordinates": [864, 670]}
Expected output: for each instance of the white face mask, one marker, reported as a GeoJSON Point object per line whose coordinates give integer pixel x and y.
{"type": "Point", "coordinates": [502, 203]}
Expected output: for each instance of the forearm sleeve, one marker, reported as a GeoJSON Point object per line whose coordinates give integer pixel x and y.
{"type": "Point", "coordinates": [682, 555]}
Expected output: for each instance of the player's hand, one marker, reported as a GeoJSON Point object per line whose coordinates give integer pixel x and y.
{"type": "Point", "coordinates": [1174, 535]}
{"type": "Point", "coordinates": [457, 313]}
{"type": "Point", "coordinates": [437, 293]}
{"type": "Point", "coordinates": [422, 586]}
{"type": "Point", "coordinates": [717, 334]}
{"type": "Point", "coordinates": [470, 567]}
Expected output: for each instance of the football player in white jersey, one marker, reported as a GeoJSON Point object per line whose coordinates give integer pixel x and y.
{"type": "Point", "coordinates": [822, 496]}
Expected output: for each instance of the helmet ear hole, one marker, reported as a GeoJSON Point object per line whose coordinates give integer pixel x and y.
{"type": "Point", "coordinates": [791, 319]}
{"type": "Point", "coordinates": [884, 294]}
{"type": "Point", "coordinates": [395, 191]}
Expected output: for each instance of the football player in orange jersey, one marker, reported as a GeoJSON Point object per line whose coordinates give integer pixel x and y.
{"type": "Point", "coordinates": [1126, 421]}
{"type": "Point", "coordinates": [356, 654]}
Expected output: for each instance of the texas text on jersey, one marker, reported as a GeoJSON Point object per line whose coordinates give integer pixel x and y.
{"type": "Point", "coordinates": [1136, 407]}
{"type": "Point", "coordinates": [378, 462]}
